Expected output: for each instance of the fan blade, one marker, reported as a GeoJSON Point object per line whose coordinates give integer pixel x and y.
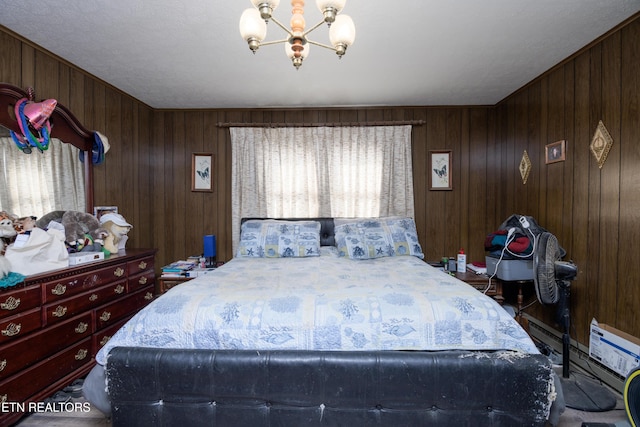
{"type": "Point", "coordinates": [546, 254]}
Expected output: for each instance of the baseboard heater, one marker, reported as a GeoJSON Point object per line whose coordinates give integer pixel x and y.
{"type": "Point", "coordinates": [578, 354]}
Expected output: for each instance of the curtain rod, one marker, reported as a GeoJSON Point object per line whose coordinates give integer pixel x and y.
{"type": "Point", "coordinates": [332, 124]}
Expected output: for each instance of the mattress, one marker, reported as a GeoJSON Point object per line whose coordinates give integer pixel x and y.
{"type": "Point", "coordinates": [323, 302]}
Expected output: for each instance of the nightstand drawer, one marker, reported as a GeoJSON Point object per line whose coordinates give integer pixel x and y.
{"type": "Point", "coordinates": [167, 283]}
{"type": "Point", "coordinates": [481, 282]}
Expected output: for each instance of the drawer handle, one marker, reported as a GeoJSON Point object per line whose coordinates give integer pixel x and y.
{"type": "Point", "coordinates": [93, 297]}
{"type": "Point", "coordinates": [81, 328]}
{"type": "Point", "coordinates": [105, 316]}
{"type": "Point", "coordinates": [118, 272]}
{"type": "Point", "coordinates": [12, 330]}
{"type": "Point", "coordinates": [60, 311]}
{"type": "Point", "coordinates": [81, 354]}
{"type": "Point", "coordinates": [119, 289]}
{"type": "Point", "coordinates": [142, 265]}
{"type": "Point", "coordinates": [3, 364]}
{"type": "Point", "coordinates": [148, 296]}
{"type": "Point", "coordinates": [59, 289]}
{"type": "Point", "coordinates": [105, 339]}
{"type": "Point", "coordinates": [10, 304]}
{"type": "Point", "coordinates": [143, 280]}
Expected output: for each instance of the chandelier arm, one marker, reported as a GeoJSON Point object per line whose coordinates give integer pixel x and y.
{"type": "Point", "coordinates": [279, 24]}
{"type": "Point", "coordinates": [312, 28]}
{"type": "Point", "coordinates": [274, 42]}
{"type": "Point", "coordinates": [326, 46]}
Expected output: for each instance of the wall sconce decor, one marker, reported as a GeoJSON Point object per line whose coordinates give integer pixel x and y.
{"type": "Point", "coordinates": [601, 144]}
{"type": "Point", "coordinates": [525, 167]}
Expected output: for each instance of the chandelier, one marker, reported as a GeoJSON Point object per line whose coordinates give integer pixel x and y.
{"type": "Point", "coordinates": [253, 28]}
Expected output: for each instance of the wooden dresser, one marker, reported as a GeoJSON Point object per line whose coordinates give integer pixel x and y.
{"type": "Point", "coordinates": [52, 325]}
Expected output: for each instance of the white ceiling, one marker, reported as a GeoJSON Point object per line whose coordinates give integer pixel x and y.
{"type": "Point", "coordinates": [189, 53]}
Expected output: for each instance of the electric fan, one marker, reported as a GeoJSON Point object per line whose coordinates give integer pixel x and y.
{"type": "Point", "coordinates": [632, 397]}
{"type": "Point", "coordinates": [552, 278]}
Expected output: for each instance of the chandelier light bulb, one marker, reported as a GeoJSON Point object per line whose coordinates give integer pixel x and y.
{"type": "Point", "coordinates": [291, 53]}
{"type": "Point", "coordinates": [342, 33]}
{"type": "Point", "coordinates": [253, 29]}
{"type": "Point", "coordinates": [330, 9]}
{"type": "Point", "coordinates": [338, 5]}
{"type": "Point", "coordinates": [266, 7]}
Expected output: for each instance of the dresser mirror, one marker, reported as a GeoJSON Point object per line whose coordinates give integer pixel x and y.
{"type": "Point", "coordinates": [69, 141]}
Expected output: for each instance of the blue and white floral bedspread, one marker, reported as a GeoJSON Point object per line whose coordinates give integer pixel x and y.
{"type": "Point", "coordinates": [323, 303]}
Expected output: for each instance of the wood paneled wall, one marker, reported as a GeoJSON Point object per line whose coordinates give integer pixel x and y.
{"type": "Point", "coordinates": [594, 212]}
{"type": "Point", "coordinates": [447, 220]}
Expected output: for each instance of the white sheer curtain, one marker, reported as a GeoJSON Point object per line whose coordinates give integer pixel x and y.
{"type": "Point", "coordinates": [321, 171]}
{"type": "Point", "coordinates": [38, 183]}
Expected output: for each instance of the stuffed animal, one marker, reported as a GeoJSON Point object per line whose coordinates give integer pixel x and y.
{"type": "Point", "coordinates": [5, 265]}
{"type": "Point", "coordinates": [95, 241]}
{"type": "Point", "coordinates": [25, 224]}
{"type": "Point", "coordinates": [7, 228]}
{"type": "Point", "coordinates": [118, 229]}
{"type": "Point", "coordinates": [43, 222]}
{"type": "Point", "coordinates": [76, 226]}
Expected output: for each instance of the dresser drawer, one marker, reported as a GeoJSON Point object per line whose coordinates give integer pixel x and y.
{"type": "Point", "coordinates": [64, 288]}
{"type": "Point", "coordinates": [141, 280]}
{"type": "Point", "coordinates": [137, 266]}
{"type": "Point", "coordinates": [67, 308]}
{"type": "Point", "coordinates": [20, 387]}
{"type": "Point", "coordinates": [109, 314]}
{"type": "Point", "coordinates": [19, 325]}
{"type": "Point", "coordinates": [104, 335]}
{"type": "Point", "coordinates": [29, 350]}
{"type": "Point", "coordinates": [19, 300]}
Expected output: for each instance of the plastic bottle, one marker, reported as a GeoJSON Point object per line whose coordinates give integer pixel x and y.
{"type": "Point", "coordinates": [462, 261]}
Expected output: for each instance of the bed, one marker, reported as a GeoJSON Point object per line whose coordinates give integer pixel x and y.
{"type": "Point", "coordinates": [324, 322]}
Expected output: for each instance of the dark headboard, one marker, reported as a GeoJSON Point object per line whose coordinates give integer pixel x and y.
{"type": "Point", "coordinates": [326, 228]}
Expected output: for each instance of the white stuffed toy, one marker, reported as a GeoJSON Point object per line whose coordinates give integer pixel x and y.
{"type": "Point", "coordinates": [118, 229]}
{"type": "Point", "coordinates": [5, 265]}
{"type": "Point", "coordinates": [7, 228]}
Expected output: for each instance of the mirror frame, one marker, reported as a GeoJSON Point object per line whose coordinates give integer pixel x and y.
{"type": "Point", "coordinates": [64, 126]}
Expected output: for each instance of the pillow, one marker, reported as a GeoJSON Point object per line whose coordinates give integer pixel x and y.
{"type": "Point", "coordinates": [279, 239]}
{"type": "Point", "coordinates": [377, 237]}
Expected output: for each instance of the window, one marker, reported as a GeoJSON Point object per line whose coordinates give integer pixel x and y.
{"type": "Point", "coordinates": [321, 171]}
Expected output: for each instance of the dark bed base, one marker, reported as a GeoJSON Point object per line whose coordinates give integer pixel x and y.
{"type": "Point", "coordinates": [169, 387]}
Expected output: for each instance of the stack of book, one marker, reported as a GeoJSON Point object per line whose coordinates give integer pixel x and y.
{"type": "Point", "coordinates": [178, 268]}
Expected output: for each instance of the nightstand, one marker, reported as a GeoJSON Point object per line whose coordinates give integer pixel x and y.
{"type": "Point", "coordinates": [166, 283]}
{"type": "Point", "coordinates": [481, 282]}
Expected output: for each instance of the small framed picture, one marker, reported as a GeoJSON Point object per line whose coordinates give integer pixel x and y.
{"type": "Point", "coordinates": [440, 177]}
{"type": "Point", "coordinates": [555, 152]}
{"type": "Point", "coordinates": [201, 172]}
{"type": "Point", "coordinates": [98, 211]}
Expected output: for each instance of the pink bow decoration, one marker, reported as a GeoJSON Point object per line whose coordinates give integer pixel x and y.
{"type": "Point", "coordinates": [39, 112]}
